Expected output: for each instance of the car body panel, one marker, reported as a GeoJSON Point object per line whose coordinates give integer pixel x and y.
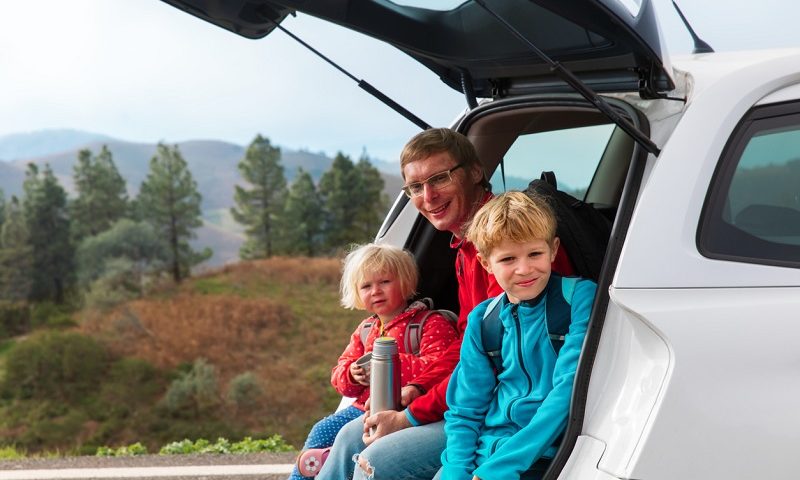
{"type": "Point", "coordinates": [660, 251]}
{"type": "Point", "coordinates": [727, 405]}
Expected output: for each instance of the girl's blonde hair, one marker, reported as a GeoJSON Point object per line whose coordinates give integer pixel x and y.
{"type": "Point", "coordinates": [374, 258]}
{"type": "Point", "coordinates": [511, 216]}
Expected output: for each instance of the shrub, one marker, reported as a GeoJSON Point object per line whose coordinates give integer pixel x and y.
{"type": "Point", "coordinates": [54, 365]}
{"type": "Point", "coordinates": [11, 453]}
{"type": "Point", "coordinates": [244, 391]}
{"type": "Point", "coordinates": [195, 392]}
{"type": "Point", "coordinates": [274, 443]}
{"type": "Point", "coordinates": [48, 314]}
{"type": "Point", "coordinates": [125, 451]}
{"type": "Point", "coordinates": [130, 384]}
{"type": "Point", "coordinates": [15, 318]}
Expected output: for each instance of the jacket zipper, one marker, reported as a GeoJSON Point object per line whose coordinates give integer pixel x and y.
{"type": "Point", "coordinates": [529, 381]}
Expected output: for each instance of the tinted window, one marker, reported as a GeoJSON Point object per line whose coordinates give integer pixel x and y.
{"type": "Point", "coordinates": [753, 211]}
{"type": "Point", "coordinates": [572, 153]}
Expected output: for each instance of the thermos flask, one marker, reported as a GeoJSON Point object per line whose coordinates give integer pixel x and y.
{"type": "Point", "coordinates": [384, 382]}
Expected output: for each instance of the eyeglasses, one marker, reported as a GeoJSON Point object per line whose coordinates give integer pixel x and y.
{"type": "Point", "coordinates": [436, 181]}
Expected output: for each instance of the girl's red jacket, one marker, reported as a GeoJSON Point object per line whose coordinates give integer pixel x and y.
{"type": "Point", "coordinates": [438, 334]}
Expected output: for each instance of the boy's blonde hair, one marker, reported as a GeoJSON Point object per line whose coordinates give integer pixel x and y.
{"type": "Point", "coordinates": [512, 216]}
{"type": "Point", "coordinates": [374, 258]}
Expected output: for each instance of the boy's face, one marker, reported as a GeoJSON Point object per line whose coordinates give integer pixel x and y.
{"type": "Point", "coordinates": [521, 269]}
{"type": "Point", "coordinates": [381, 294]}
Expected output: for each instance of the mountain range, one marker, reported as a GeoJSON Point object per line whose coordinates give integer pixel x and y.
{"type": "Point", "coordinates": [213, 164]}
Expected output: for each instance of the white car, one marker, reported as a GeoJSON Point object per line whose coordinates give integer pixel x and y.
{"type": "Point", "coordinates": [691, 367]}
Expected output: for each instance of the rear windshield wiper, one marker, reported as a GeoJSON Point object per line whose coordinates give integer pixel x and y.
{"type": "Point", "coordinates": [361, 83]}
{"type": "Point", "coordinates": [580, 87]}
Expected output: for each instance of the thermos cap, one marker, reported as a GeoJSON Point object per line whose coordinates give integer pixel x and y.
{"type": "Point", "coordinates": [384, 346]}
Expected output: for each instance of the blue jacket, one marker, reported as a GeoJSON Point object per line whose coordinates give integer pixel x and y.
{"type": "Point", "coordinates": [499, 433]}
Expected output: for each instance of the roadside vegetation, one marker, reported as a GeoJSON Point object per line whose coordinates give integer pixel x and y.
{"type": "Point", "coordinates": [111, 342]}
{"type": "Point", "coordinates": [242, 352]}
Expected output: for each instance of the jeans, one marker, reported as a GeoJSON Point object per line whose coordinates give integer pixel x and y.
{"type": "Point", "coordinates": [413, 453]}
{"type": "Point", "coordinates": [324, 431]}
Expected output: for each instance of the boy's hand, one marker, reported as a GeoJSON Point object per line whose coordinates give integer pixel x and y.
{"type": "Point", "coordinates": [475, 478]}
{"type": "Point", "coordinates": [359, 374]}
{"type": "Point", "coordinates": [408, 394]}
{"type": "Point", "coordinates": [383, 423]}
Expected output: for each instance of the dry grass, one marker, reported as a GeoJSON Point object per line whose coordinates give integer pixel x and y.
{"type": "Point", "coordinates": [279, 318]}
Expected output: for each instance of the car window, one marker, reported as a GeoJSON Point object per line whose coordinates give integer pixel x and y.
{"type": "Point", "coordinates": [572, 153]}
{"type": "Point", "coordinates": [753, 214]}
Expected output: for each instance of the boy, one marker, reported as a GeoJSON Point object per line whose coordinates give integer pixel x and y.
{"type": "Point", "coordinates": [500, 423]}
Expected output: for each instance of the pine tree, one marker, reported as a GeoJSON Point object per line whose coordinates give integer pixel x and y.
{"type": "Point", "coordinates": [16, 259]}
{"type": "Point", "coordinates": [259, 207]}
{"type": "Point", "coordinates": [302, 219]}
{"type": "Point", "coordinates": [169, 200]}
{"type": "Point", "coordinates": [102, 198]}
{"type": "Point", "coordinates": [373, 202]}
{"type": "Point", "coordinates": [2, 207]}
{"type": "Point", "coordinates": [45, 211]}
{"type": "Point", "coordinates": [338, 188]}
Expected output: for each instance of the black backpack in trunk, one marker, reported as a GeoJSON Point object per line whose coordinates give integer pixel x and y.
{"type": "Point", "coordinates": [584, 232]}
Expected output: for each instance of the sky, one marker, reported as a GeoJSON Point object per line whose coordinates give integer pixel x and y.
{"type": "Point", "coordinates": [141, 70]}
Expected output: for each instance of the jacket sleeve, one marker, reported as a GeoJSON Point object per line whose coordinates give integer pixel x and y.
{"type": "Point", "coordinates": [518, 452]}
{"type": "Point", "coordinates": [469, 396]}
{"type": "Point", "coordinates": [437, 335]}
{"type": "Point", "coordinates": [340, 374]}
{"type": "Point", "coordinates": [439, 372]}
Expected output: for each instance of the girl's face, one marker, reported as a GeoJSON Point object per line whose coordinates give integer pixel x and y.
{"type": "Point", "coordinates": [380, 293]}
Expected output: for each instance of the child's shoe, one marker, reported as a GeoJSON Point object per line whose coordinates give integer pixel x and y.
{"type": "Point", "coordinates": [310, 461]}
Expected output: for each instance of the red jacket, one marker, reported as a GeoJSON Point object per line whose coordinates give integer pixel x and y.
{"type": "Point", "coordinates": [437, 334]}
{"type": "Point", "coordinates": [475, 285]}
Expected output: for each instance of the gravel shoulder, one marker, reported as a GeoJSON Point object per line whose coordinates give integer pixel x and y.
{"type": "Point", "coordinates": [147, 461]}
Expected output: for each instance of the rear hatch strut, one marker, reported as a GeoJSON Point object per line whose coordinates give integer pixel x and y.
{"type": "Point", "coordinates": [366, 86]}
{"type": "Point", "coordinates": [580, 87]}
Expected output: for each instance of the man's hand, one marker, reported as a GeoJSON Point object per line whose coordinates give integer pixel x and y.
{"type": "Point", "coordinates": [358, 374]}
{"type": "Point", "coordinates": [408, 394]}
{"type": "Point", "coordinates": [383, 423]}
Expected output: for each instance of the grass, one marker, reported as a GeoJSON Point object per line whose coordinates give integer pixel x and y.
{"type": "Point", "coordinates": [278, 318]}
{"type": "Point", "coordinates": [11, 453]}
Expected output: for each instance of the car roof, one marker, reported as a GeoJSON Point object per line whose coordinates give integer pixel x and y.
{"type": "Point", "coordinates": [611, 45]}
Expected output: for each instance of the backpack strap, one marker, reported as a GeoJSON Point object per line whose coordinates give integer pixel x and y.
{"type": "Point", "coordinates": [413, 335]}
{"type": "Point", "coordinates": [559, 308]}
{"type": "Point", "coordinates": [550, 178]}
{"type": "Point", "coordinates": [366, 327]}
{"type": "Point", "coordinates": [492, 333]}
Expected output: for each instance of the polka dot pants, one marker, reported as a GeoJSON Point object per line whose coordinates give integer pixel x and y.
{"type": "Point", "coordinates": [323, 433]}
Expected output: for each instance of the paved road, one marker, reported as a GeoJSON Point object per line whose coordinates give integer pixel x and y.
{"type": "Point", "coordinates": [261, 466]}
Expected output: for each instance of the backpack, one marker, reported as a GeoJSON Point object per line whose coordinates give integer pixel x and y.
{"type": "Point", "coordinates": [558, 311]}
{"type": "Point", "coordinates": [584, 232]}
{"type": "Point", "coordinates": [413, 333]}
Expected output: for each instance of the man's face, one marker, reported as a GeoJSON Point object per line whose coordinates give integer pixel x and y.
{"type": "Point", "coordinates": [450, 206]}
{"type": "Point", "coordinates": [521, 269]}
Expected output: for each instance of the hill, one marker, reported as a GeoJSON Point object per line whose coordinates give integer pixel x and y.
{"type": "Point", "coordinates": [213, 165]}
{"type": "Point", "coordinates": [43, 142]}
